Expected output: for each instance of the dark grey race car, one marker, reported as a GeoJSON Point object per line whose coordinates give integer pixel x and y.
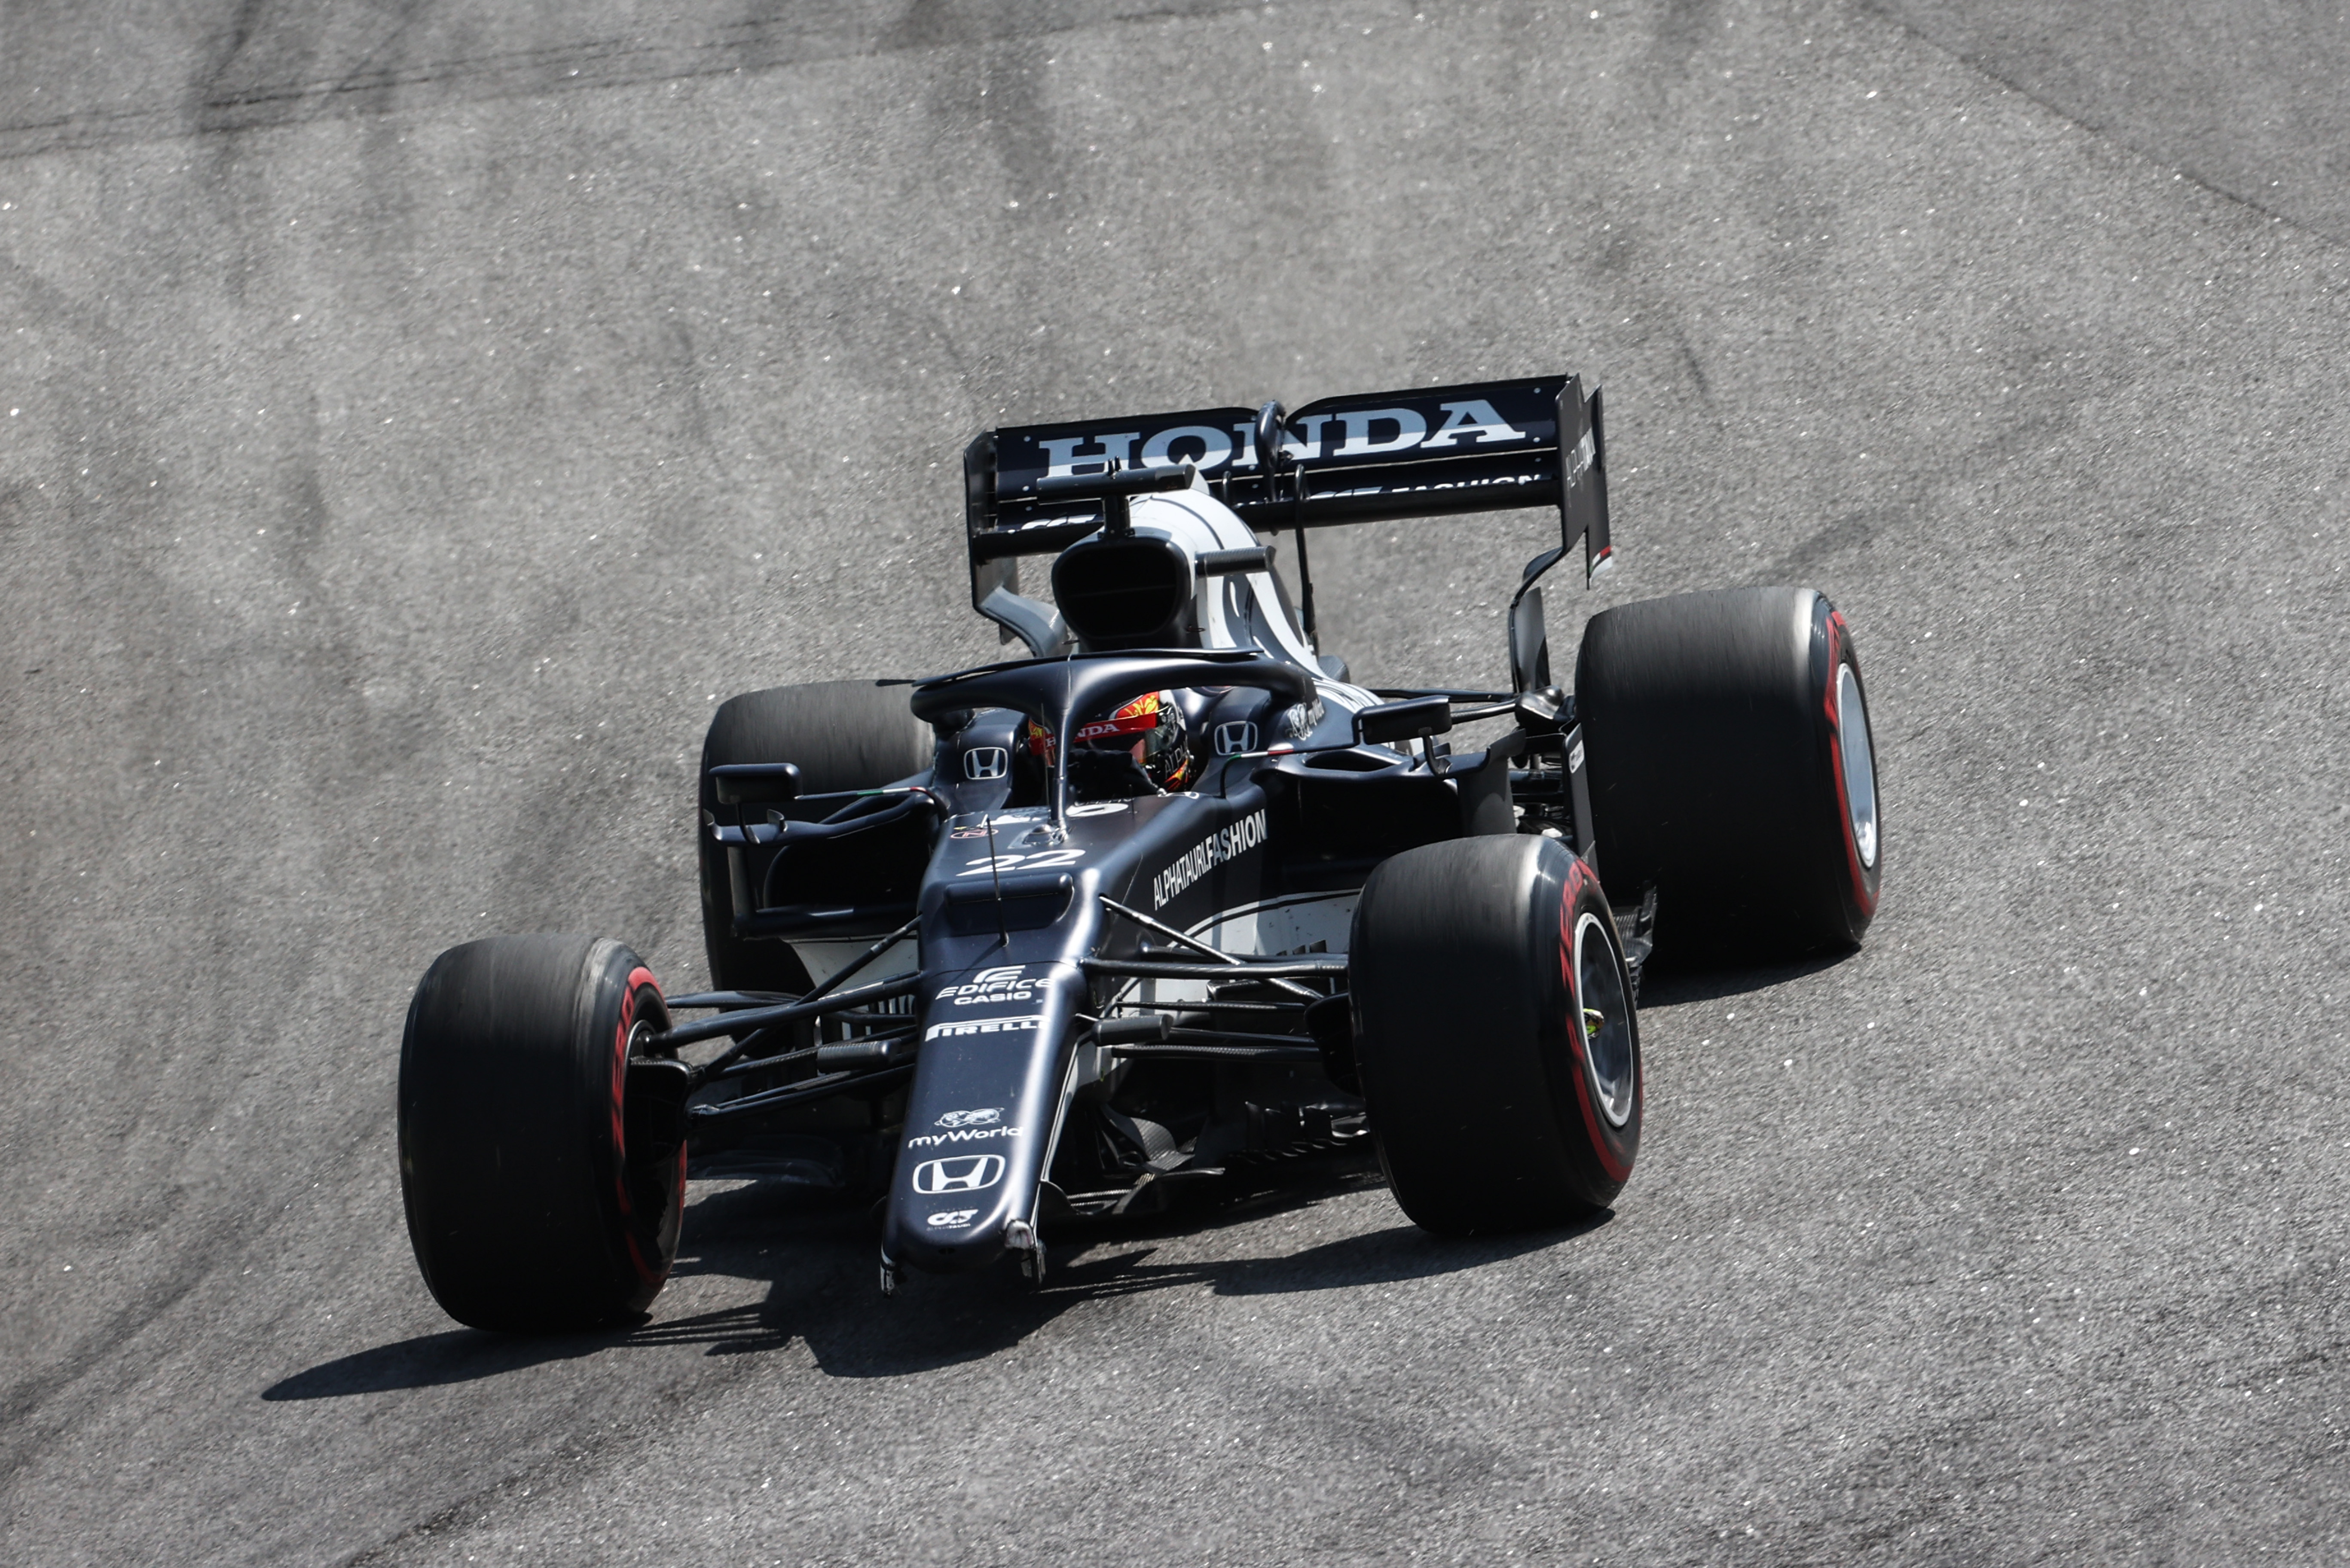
{"type": "Point", "coordinates": [1171, 897]}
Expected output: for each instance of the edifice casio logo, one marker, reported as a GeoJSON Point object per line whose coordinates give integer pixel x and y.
{"type": "Point", "coordinates": [1005, 983]}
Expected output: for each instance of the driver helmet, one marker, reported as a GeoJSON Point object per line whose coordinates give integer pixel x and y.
{"type": "Point", "coordinates": [1150, 730]}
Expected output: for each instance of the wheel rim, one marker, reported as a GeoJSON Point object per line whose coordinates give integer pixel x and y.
{"type": "Point", "coordinates": [1603, 1021]}
{"type": "Point", "coordinates": [1859, 764]}
{"type": "Point", "coordinates": [656, 1183]}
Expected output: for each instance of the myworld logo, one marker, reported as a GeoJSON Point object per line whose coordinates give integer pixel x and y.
{"type": "Point", "coordinates": [960, 1135]}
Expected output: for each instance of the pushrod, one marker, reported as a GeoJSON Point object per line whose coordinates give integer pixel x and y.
{"type": "Point", "coordinates": [1172, 935]}
{"type": "Point", "coordinates": [815, 1004]}
{"type": "Point", "coordinates": [1278, 969]}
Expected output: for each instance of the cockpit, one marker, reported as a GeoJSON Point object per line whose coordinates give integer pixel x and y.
{"type": "Point", "coordinates": [1168, 570]}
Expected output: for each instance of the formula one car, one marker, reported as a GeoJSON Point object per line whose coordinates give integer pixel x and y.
{"type": "Point", "coordinates": [1169, 897]}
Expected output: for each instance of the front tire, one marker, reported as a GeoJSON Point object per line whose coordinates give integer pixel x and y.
{"type": "Point", "coordinates": [1731, 769]}
{"type": "Point", "coordinates": [1496, 1034]}
{"type": "Point", "coordinates": [541, 1196]}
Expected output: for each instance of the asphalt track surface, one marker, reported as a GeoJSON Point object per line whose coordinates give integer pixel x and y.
{"type": "Point", "coordinates": [412, 419]}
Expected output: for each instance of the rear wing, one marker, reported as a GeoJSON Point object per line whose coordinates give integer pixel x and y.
{"type": "Point", "coordinates": [1424, 452]}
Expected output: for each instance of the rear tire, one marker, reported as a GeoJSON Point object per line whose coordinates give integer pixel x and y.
{"type": "Point", "coordinates": [1494, 1031]}
{"type": "Point", "coordinates": [1730, 767]}
{"type": "Point", "coordinates": [841, 735]}
{"type": "Point", "coordinates": [539, 1197]}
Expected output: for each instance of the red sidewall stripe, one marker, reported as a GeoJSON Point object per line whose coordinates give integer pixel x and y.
{"type": "Point", "coordinates": [1616, 1168]}
{"type": "Point", "coordinates": [649, 1270]}
{"type": "Point", "coordinates": [1832, 705]}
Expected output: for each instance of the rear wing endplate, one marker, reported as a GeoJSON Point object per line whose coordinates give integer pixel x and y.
{"type": "Point", "coordinates": [1425, 452]}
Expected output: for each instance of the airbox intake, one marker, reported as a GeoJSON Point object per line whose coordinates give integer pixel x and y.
{"type": "Point", "coordinates": [1130, 591]}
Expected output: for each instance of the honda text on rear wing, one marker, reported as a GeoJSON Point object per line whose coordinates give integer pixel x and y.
{"type": "Point", "coordinates": [1425, 452]}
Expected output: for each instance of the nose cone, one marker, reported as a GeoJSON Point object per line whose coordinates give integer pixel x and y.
{"type": "Point", "coordinates": [979, 1113]}
{"type": "Point", "coordinates": [950, 1212]}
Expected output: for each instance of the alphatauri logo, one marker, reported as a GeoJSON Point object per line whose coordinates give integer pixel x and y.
{"type": "Point", "coordinates": [1224, 844]}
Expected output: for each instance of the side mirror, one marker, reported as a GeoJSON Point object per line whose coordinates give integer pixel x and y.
{"type": "Point", "coordinates": [755, 784]}
{"type": "Point", "coordinates": [1385, 723]}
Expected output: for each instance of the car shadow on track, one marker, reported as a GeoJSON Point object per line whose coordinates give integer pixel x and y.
{"type": "Point", "coordinates": [819, 1263]}
{"type": "Point", "coordinates": [1671, 985]}
{"type": "Point", "coordinates": [432, 1360]}
{"type": "Point", "coordinates": [827, 1298]}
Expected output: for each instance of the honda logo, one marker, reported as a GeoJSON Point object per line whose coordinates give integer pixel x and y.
{"type": "Point", "coordinates": [986, 763]}
{"type": "Point", "coordinates": [1233, 740]}
{"type": "Point", "coordinates": [958, 1173]}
